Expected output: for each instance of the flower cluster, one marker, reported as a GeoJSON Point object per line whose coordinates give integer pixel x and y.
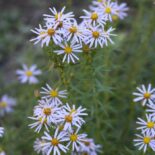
{"type": "Point", "coordinates": [146, 95]}
{"type": "Point", "coordinates": [110, 9]}
{"type": "Point", "coordinates": [28, 74]}
{"type": "Point", "coordinates": [61, 124]}
{"type": "Point", "coordinates": [70, 37]}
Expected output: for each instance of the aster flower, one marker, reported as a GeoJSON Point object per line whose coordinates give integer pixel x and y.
{"type": "Point", "coordinates": [53, 94]}
{"type": "Point", "coordinates": [46, 110]}
{"type": "Point", "coordinates": [2, 152]}
{"type": "Point", "coordinates": [95, 36]}
{"type": "Point", "coordinates": [41, 34]}
{"type": "Point", "coordinates": [58, 17]}
{"type": "Point", "coordinates": [107, 35]}
{"type": "Point", "coordinates": [145, 95]}
{"type": "Point", "coordinates": [109, 9]}
{"type": "Point", "coordinates": [71, 117]}
{"type": "Point", "coordinates": [69, 50]}
{"type": "Point", "coordinates": [1, 131]}
{"type": "Point", "coordinates": [39, 123]}
{"type": "Point", "coordinates": [90, 147]}
{"type": "Point", "coordinates": [28, 74]}
{"type": "Point", "coordinates": [59, 20]}
{"type": "Point", "coordinates": [94, 17]}
{"type": "Point", "coordinates": [74, 32]}
{"type": "Point", "coordinates": [45, 35]}
{"type": "Point", "coordinates": [6, 104]}
{"type": "Point", "coordinates": [75, 140]}
{"type": "Point", "coordinates": [147, 126]}
{"type": "Point", "coordinates": [76, 111]}
{"type": "Point", "coordinates": [121, 10]}
{"type": "Point", "coordinates": [53, 144]}
{"type": "Point", "coordinates": [144, 141]}
{"type": "Point", "coordinates": [38, 146]}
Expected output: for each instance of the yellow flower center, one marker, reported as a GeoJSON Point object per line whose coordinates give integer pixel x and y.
{"type": "Point", "coordinates": [29, 73]}
{"type": "Point", "coordinates": [54, 93]}
{"type": "Point", "coordinates": [54, 141]}
{"type": "Point", "coordinates": [51, 32]}
{"type": "Point", "coordinates": [47, 111]}
{"type": "Point", "coordinates": [150, 124]}
{"type": "Point", "coordinates": [94, 16]}
{"type": "Point", "coordinates": [147, 95]}
{"type": "Point", "coordinates": [68, 118]}
{"type": "Point", "coordinates": [96, 34]}
{"type": "Point", "coordinates": [3, 104]}
{"type": "Point", "coordinates": [73, 29]}
{"type": "Point", "coordinates": [68, 50]}
{"type": "Point", "coordinates": [147, 140]}
{"type": "Point", "coordinates": [73, 137]}
{"type": "Point", "coordinates": [115, 17]}
{"type": "Point", "coordinates": [108, 10]}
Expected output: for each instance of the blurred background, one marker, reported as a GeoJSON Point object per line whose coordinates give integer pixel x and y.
{"type": "Point", "coordinates": [106, 91]}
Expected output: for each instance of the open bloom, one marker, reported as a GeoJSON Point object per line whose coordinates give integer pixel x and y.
{"type": "Point", "coordinates": [2, 152]}
{"type": "Point", "coordinates": [147, 126]}
{"type": "Point", "coordinates": [45, 35]}
{"type": "Point", "coordinates": [74, 32]}
{"type": "Point", "coordinates": [39, 123]}
{"type": "Point", "coordinates": [94, 18]}
{"type": "Point", "coordinates": [59, 17]}
{"type": "Point", "coordinates": [1, 131]}
{"type": "Point", "coordinates": [89, 147]}
{"type": "Point", "coordinates": [69, 50]}
{"type": "Point", "coordinates": [109, 9]}
{"type": "Point", "coordinates": [121, 10]}
{"type": "Point", "coordinates": [6, 104]}
{"type": "Point", "coordinates": [145, 95]}
{"type": "Point", "coordinates": [95, 36]}
{"type": "Point", "coordinates": [107, 36]}
{"type": "Point", "coordinates": [28, 74]}
{"type": "Point", "coordinates": [71, 117]}
{"type": "Point", "coordinates": [46, 110]}
{"type": "Point", "coordinates": [54, 144]}
{"type": "Point", "coordinates": [54, 95]}
{"type": "Point", "coordinates": [75, 140]}
{"type": "Point", "coordinates": [143, 141]}
{"type": "Point", "coordinates": [38, 146]}
{"type": "Point", "coordinates": [41, 33]}
{"type": "Point", "coordinates": [76, 111]}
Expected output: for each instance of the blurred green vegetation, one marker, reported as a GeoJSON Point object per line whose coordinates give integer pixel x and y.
{"type": "Point", "coordinates": [104, 85]}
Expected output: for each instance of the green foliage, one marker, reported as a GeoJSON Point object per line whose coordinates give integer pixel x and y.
{"type": "Point", "coordinates": [102, 81]}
